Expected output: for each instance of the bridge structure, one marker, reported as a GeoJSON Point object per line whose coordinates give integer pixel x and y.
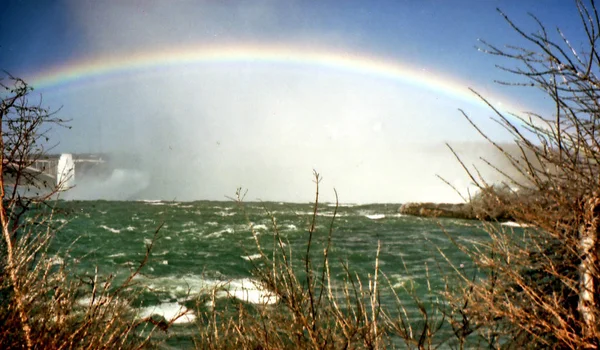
{"type": "Point", "coordinates": [58, 169]}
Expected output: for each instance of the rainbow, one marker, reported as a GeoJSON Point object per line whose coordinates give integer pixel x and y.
{"type": "Point", "coordinates": [110, 66]}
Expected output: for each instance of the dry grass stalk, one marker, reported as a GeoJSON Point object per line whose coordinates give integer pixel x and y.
{"type": "Point", "coordinates": [312, 311]}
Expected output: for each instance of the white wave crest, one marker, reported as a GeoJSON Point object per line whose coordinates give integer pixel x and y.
{"type": "Point", "coordinates": [110, 229]}
{"type": "Point", "coordinates": [220, 233]}
{"type": "Point", "coordinates": [260, 227]}
{"type": "Point", "coordinates": [251, 257]}
{"type": "Point", "coordinates": [250, 291]}
{"type": "Point", "coordinates": [172, 312]}
{"type": "Point", "coordinates": [375, 216]}
{"type": "Point", "coordinates": [55, 260]}
{"type": "Point", "coordinates": [244, 289]}
{"type": "Point", "coordinates": [514, 224]}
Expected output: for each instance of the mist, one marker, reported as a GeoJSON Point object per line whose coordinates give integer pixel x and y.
{"type": "Point", "coordinates": [202, 135]}
{"type": "Point", "coordinates": [200, 131]}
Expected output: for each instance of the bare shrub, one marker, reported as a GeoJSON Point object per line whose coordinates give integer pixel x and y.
{"type": "Point", "coordinates": [491, 201]}
{"type": "Point", "coordinates": [307, 305]}
{"type": "Point", "coordinates": [539, 287]}
{"type": "Point", "coordinates": [311, 310]}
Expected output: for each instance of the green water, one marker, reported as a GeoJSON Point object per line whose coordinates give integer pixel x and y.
{"type": "Point", "coordinates": [201, 244]}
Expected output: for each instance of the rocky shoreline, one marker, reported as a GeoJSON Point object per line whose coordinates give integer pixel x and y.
{"type": "Point", "coordinates": [450, 210]}
{"type": "Point", "coordinates": [439, 210]}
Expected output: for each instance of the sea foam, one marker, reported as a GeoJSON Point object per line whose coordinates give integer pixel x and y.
{"type": "Point", "coordinates": [172, 312]}
{"type": "Point", "coordinates": [251, 257]}
{"type": "Point", "coordinates": [245, 289]}
{"type": "Point", "coordinates": [250, 291]}
{"type": "Point", "coordinates": [375, 216]}
{"type": "Point", "coordinates": [113, 230]}
{"type": "Point", "coordinates": [514, 224]}
{"type": "Point", "coordinates": [218, 234]}
{"type": "Point", "coordinates": [260, 227]}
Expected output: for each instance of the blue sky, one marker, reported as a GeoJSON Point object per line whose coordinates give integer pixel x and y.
{"type": "Point", "coordinates": [265, 128]}
{"type": "Point", "coordinates": [441, 34]}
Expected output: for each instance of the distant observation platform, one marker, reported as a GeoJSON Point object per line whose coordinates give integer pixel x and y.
{"type": "Point", "coordinates": [58, 169]}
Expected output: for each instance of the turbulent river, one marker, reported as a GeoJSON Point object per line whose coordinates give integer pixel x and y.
{"type": "Point", "coordinates": [204, 244]}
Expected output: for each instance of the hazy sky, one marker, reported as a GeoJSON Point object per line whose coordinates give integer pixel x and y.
{"type": "Point", "coordinates": [200, 130]}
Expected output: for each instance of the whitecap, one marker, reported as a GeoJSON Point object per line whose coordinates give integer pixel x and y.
{"type": "Point", "coordinates": [514, 224]}
{"type": "Point", "coordinates": [250, 291]}
{"type": "Point", "coordinates": [181, 286]}
{"type": "Point", "coordinates": [189, 230]}
{"type": "Point", "coordinates": [260, 227]}
{"type": "Point", "coordinates": [55, 260]}
{"type": "Point", "coordinates": [399, 281]}
{"type": "Point", "coordinates": [113, 230]}
{"type": "Point", "coordinates": [100, 300]}
{"type": "Point", "coordinates": [218, 234]}
{"type": "Point", "coordinates": [87, 301]}
{"type": "Point", "coordinates": [341, 205]}
{"type": "Point", "coordinates": [153, 201]}
{"type": "Point", "coordinates": [251, 257]}
{"type": "Point", "coordinates": [244, 289]}
{"type": "Point", "coordinates": [375, 216]}
{"type": "Point", "coordinates": [172, 312]}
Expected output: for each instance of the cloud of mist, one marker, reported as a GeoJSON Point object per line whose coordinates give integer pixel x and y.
{"type": "Point", "coordinates": [121, 184]}
{"type": "Point", "coordinates": [201, 131]}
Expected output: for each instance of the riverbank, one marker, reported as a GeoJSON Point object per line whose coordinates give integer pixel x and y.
{"type": "Point", "coordinates": [451, 210]}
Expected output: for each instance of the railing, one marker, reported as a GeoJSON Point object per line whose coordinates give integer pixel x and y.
{"type": "Point", "coordinates": [49, 166]}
